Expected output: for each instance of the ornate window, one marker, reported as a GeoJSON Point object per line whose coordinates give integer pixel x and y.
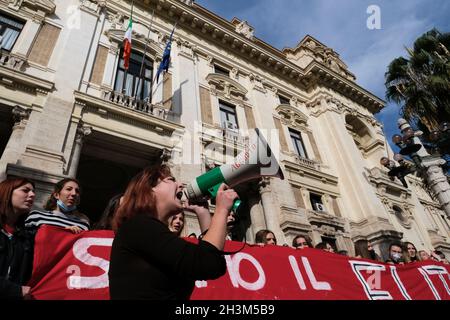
{"type": "Point", "coordinates": [9, 31]}
{"type": "Point", "coordinates": [220, 70]}
{"type": "Point", "coordinates": [297, 142]}
{"type": "Point", "coordinates": [283, 100]}
{"type": "Point", "coordinates": [228, 117]}
{"type": "Point", "coordinates": [132, 82]}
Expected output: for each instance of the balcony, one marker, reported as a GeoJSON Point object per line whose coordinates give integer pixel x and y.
{"type": "Point", "coordinates": [13, 75]}
{"type": "Point", "coordinates": [10, 61]}
{"type": "Point", "coordinates": [144, 106]}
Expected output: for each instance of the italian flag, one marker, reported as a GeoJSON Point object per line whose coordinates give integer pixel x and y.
{"type": "Point", "coordinates": [127, 45]}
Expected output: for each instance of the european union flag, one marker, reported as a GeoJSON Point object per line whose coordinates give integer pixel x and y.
{"type": "Point", "coordinates": [165, 63]}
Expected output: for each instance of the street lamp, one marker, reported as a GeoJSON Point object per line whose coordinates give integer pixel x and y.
{"type": "Point", "coordinates": [441, 139]}
{"type": "Point", "coordinates": [429, 167]}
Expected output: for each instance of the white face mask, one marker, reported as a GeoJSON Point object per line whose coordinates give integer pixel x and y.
{"type": "Point", "coordinates": [396, 256]}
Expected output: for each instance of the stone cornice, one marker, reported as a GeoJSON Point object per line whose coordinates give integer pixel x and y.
{"type": "Point", "coordinates": [209, 26]}
{"type": "Point", "coordinates": [117, 36]}
{"type": "Point", "coordinates": [291, 116]}
{"type": "Point", "coordinates": [16, 78]}
{"type": "Point", "coordinates": [323, 101]}
{"type": "Point", "coordinates": [309, 172]}
{"type": "Point", "coordinates": [225, 84]}
{"type": "Point", "coordinates": [45, 6]}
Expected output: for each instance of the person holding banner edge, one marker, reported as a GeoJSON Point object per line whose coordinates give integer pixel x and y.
{"type": "Point", "coordinates": [150, 262]}
{"type": "Point", "coordinates": [16, 243]}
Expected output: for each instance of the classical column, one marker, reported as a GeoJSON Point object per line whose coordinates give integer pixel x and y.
{"type": "Point", "coordinates": [270, 214]}
{"type": "Point", "coordinates": [257, 217]}
{"type": "Point", "coordinates": [82, 132]}
{"type": "Point", "coordinates": [14, 146]}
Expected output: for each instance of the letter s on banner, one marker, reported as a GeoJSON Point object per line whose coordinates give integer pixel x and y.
{"type": "Point", "coordinates": [80, 251]}
{"type": "Point", "coordinates": [233, 264]}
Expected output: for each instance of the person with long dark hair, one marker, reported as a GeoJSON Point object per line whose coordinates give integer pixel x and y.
{"type": "Point", "coordinates": [365, 250]}
{"type": "Point", "coordinates": [61, 209]}
{"type": "Point", "coordinates": [105, 222]}
{"type": "Point", "coordinates": [148, 261]}
{"type": "Point", "coordinates": [16, 243]}
{"type": "Point", "coordinates": [263, 237]}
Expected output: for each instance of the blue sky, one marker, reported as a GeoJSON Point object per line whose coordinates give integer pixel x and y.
{"type": "Point", "coordinates": [342, 25]}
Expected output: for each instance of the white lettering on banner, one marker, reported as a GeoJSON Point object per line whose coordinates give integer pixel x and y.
{"type": "Point", "coordinates": [298, 275]}
{"type": "Point", "coordinates": [233, 264]}
{"type": "Point", "coordinates": [426, 271]}
{"type": "Point", "coordinates": [399, 283]}
{"type": "Point", "coordinates": [317, 285]}
{"type": "Point", "coordinates": [372, 293]}
{"type": "Point", "coordinates": [80, 251]}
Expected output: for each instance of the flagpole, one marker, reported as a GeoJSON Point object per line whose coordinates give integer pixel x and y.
{"type": "Point", "coordinates": [154, 78]}
{"type": "Point", "coordinates": [126, 70]}
{"type": "Point", "coordinates": [143, 58]}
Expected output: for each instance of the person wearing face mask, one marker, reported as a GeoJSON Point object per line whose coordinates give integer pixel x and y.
{"type": "Point", "coordinates": [150, 262]}
{"type": "Point", "coordinates": [16, 243]}
{"type": "Point", "coordinates": [395, 253]}
{"type": "Point", "coordinates": [364, 250]}
{"type": "Point", "coordinates": [61, 209]}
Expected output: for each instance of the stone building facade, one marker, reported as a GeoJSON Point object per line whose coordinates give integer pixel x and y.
{"type": "Point", "coordinates": [67, 109]}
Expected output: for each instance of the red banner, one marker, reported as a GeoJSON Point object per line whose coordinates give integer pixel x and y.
{"type": "Point", "coordinates": [69, 266]}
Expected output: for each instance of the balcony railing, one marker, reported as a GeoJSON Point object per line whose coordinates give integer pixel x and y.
{"type": "Point", "coordinates": [307, 162]}
{"type": "Point", "coordinates": [144, 106]}
{"type": "Point", "coordinates": [11, 61]}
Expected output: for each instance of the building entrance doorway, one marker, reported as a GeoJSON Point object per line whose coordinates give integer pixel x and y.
{"type": "Point", "coordinates": [106, 166]}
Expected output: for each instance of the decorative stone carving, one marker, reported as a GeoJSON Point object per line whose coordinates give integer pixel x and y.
{"type": "Point", "coordinates": [93, 5]}
{"type": "Point", "coordinates": [20, 115]}
{"type": "Point", "coordinates": [291, 116]}
{"type": "Point", "coordinates": [245, 29]}
{"type": "Point", "coordinates": [226, 86]}
{"type": "Point", "coordinates": [44, 7]}
{"type": "Point", "coordinates": [82, 132]}
{"type": "Point", "coordinates": [187, 2]}
{"type": "Point", "coordinates": [116, 19]}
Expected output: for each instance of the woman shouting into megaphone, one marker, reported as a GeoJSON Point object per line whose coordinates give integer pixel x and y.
{"type": "Point", "coordinates": [150, 262]}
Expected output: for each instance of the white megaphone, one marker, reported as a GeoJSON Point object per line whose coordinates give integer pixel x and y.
{"type": "Point", "coordinates": [255, 161]}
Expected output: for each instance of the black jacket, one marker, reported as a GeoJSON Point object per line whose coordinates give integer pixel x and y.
{"type": "Point", "coordinates": [150, 262]}
{"type": "Point", "coordinates": [16, 262]}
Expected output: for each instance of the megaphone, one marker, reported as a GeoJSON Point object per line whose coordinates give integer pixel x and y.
{"type": "Point", "coordinates": [255, 161]}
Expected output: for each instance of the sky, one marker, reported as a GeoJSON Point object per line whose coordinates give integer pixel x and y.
{"type": "Point", "coordinates": [342, 25]}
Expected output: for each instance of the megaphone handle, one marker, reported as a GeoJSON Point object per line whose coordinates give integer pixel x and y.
{"type": "Point", "coordinates": [236, 205]}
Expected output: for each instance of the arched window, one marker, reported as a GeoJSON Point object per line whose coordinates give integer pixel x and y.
{"type": "Point", "coordinates": [132, 82]}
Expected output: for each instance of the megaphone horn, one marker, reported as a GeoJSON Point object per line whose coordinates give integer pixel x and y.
{"type": "Point", "coordinates": [255, 161]}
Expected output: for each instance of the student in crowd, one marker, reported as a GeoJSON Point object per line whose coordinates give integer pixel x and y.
{"type": "Point", "coordinates": [424, 256]}
{"type": "Point", "coordinates": [264, 237]}
{"type": "Point", "coordinates": [364, 250]}
{"type": "Point", "coordinates": [176, 223]}
{"type": "Point", "coordinates": [439, 256]}
{"type": "Point", "coordinates": [301, 242]}
{"type": "Point", "coordinates": [105, 222]}
{"type": "Point", "coordinates": [231, 222]}
{"type": "Point", "coordinates": [395, 253]}
{"type": "Point", "coordinates": [325, 246]}
{"type": "Point", "coordinates": [148, 261]}
{"type": "Point", "coordinates": [16, 243]}
{"type": "Point", "coordinates": [410, 252]}
{"type": "Point", "coordinates": [61, 209]}
{"type": "Point", "coordinates": [343, 253]}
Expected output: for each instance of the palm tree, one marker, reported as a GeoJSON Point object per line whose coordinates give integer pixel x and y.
{"type": "Point", "coordinates": [421, 82]}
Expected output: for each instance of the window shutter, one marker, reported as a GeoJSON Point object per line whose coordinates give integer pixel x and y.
{"type": "Point", "coordinates": [298, 197]}
{"type": "Point", "coordinates": [314, 146]}
{"type": "Point", "coordinates": [284, 146]}
{"type": "Point", "coordinates": [337, 211]}
{"type": "Point", "coordinates": [205, 104]}
{"type": "Point", "coordinates": [45, 43]}
{"type": "Point", "coordinates": [167, 90]}
{"type": "Point", "coordinates": [99, 65]}
{"type": "Point", "coordinates": [251, 124]}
